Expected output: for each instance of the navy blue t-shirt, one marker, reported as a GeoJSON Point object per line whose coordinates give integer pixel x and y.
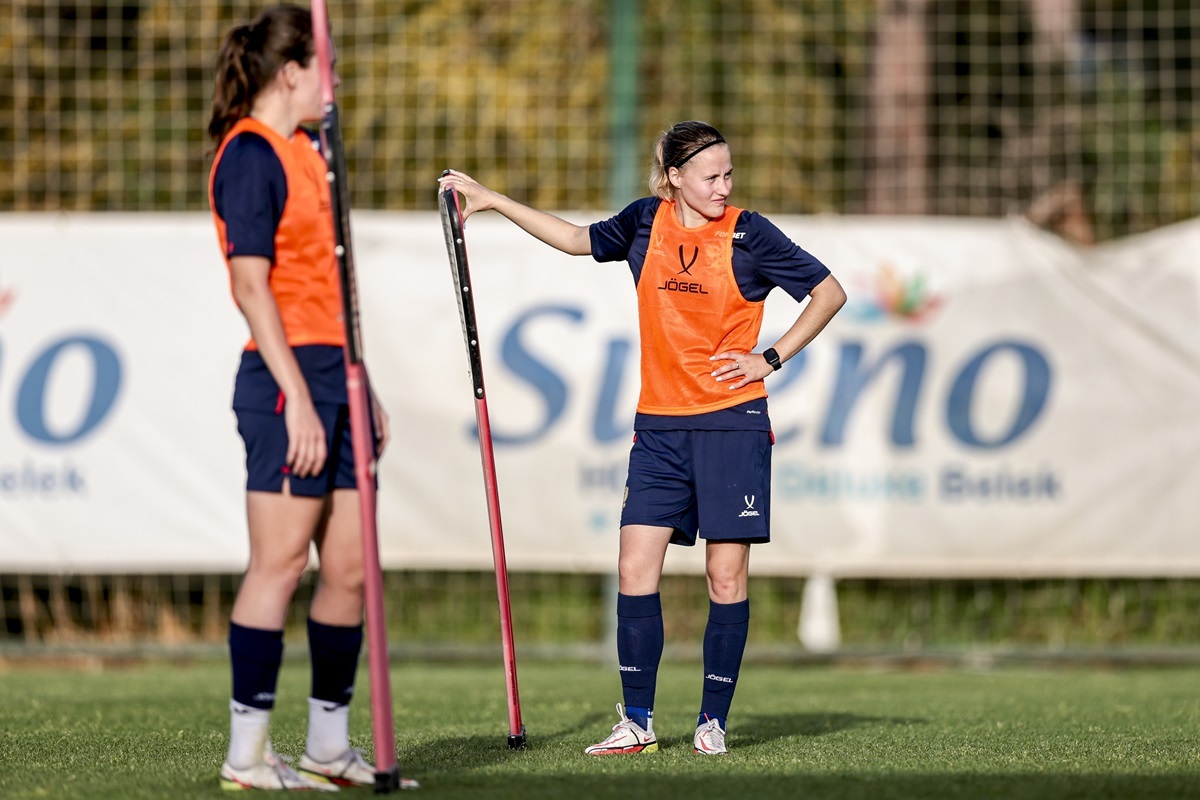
{"type": "Point", "coordinates": [763, 258]}
{"type": "Point", "coordinates": [249, 192]}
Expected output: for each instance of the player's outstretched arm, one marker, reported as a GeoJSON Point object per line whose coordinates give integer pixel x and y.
{"type": "Point", "coordinates": [557, 232]}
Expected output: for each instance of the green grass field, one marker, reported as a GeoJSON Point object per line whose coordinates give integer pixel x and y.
{"type": "Point", "coordinates": [159, 731]}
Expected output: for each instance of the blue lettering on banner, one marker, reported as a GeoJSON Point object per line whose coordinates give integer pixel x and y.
{"type": "Point", "coordinates": [1033, 399]}
{"type": "Point", "coordinates": [852, 379]}
{"type": "Point", "coordinates": [855, 373]}
{"type": "Point", "coordinates": [30, 478]}
{"type": "Point", "coordinates": [958, 483]}
{"type": "Point", "coordinates": [526, 366]}
{"type": "Point", "coordinates": [799, 481]}
{"type": "Point", "coordinates": [857, 370]}
{"type": "Point", "coordinates": [605, 426]}
{"type": "Point", "coordinates": [31, 398]}
{"type": "Point", "coordinates": [45, 480]}
{"type": "Point", "coordinates": [605, 477]}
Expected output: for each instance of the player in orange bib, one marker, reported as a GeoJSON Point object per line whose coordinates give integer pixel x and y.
{"type": "Point", "coordinates": [700, 462]}
{"type": "Point", "coordinates": [271, 205]}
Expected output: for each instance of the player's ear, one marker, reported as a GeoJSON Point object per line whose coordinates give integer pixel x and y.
{"type": "Point", "coordinates": [289, 72]}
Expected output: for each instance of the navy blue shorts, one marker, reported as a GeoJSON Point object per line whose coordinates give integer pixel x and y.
{"type": "Point", "coordinates": [265, 435]}
{"type": "Point", "coordinates": [715, 484]}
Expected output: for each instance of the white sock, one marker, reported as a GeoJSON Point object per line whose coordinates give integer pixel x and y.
{"type": "Point", "coordinates": [328, 730]}
{"type": "Point", "coordinates": [248, 730]}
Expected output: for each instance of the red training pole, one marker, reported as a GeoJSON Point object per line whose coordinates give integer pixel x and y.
{"type": "Point", "coordinates": [515, 728]}
{"type": "Point", "coordinates": [456, 248]}
{"type": "Point", "coordinates": [387, 770]}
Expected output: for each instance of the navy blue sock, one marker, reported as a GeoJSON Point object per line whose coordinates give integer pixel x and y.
{"type": "Point", "coordinates": [255, 656]}
{"type": "Point", "coordinates": [334, 651]}
{"type": "Point", "coordinates": [639, 649]}
{"type": "Point", "coordinates": [724, 644]}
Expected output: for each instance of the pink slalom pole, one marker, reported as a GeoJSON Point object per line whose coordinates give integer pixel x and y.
{"type": "Point", "coordinates": [456, 248]}
{"type": "Point", "coordinates": [515, 729]}
{"type": "Point", "coordinates": [387, 769]}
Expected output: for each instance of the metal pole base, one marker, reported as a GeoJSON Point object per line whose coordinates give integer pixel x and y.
{"type": "Point", "coordinates": [516, 741]}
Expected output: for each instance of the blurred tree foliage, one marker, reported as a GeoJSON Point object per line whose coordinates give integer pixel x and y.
{"type": "Point", "coordinates": [1138, 77]}
{"type": "Point", "coordinates": [991, 96]}
{"type": "Point", "coordinates": [103, 103]}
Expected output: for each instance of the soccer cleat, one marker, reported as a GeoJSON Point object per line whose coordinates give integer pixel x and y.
{"type": "Point", "coordinates": [627, 737]}
{"type": "Point", "coordinates": [273, 772]}
{"type": "Point", "coordinates": [351, 769]}
{"type": "Point", "coordinates": [709, 739]}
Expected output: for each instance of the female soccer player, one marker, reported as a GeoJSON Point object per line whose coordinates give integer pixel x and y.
{"type": "Point", "coordinates": [271, 204]}
{"type": "Point", "coordinates": [700, 463]}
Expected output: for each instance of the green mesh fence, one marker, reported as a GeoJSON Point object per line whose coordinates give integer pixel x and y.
{"type": "Point", "coordinates": [1077, 112]}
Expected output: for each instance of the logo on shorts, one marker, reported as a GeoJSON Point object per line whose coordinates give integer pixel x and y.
{"type": "Point", "coordinates": [623, 668]}
{"type": "Point", "coordinates": [712, 677]}
{"type": "Point", "coordinates": [625, 499]}
{"type": "Point", "coordinates": [749, 512]}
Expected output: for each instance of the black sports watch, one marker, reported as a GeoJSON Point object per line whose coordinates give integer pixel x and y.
{"type": "Point", "coordinates": [772, 358]}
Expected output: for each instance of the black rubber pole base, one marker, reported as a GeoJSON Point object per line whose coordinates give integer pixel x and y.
{"type": "Point", "coordinates": [388, 781]}
{"type": "Point", "coordinates": [516, 741]}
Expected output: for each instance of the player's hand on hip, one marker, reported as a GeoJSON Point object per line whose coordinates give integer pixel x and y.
{"type": "Point", "coordinates": [307, 451]}
{"type": "Point", "coordinates": [740, 369]}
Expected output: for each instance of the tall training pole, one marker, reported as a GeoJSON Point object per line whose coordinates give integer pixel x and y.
{"type": "Point", "coordinates": [456, 248]}
{"type": "Point", "coordinates": [387, 770]}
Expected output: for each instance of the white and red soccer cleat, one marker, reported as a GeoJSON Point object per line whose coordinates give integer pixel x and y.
{"type": "Point", "coordinates": [709, 739]}
{"type": "Point", "coordinates": [627, 737]}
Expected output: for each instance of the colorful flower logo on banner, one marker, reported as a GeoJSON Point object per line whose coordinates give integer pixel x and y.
{"type": "Point", "coordinates": [892, 295]}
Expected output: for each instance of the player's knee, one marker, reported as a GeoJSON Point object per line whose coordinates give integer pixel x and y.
{"type": "Point", "coordinates": [637, 577]}
{"type": "Point", "coordinates": [343, 576]}
{"type": "Point", "coordinates": [283, 571]}
{"type": "Point", "coordinates": [726, 586]}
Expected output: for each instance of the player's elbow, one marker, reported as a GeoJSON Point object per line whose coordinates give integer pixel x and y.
{"type": "Point", "coordinates": [830, 294]}
{"type": "Point", "coordinates": [249, 280]}
{"type": "Point", "coordinates": [249, 292]}
{"type": "Point", "coordinates": [580, 243]}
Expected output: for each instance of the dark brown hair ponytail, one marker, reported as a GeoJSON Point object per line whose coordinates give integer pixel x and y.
{"type": "Point", "coordinates": [250, 57]}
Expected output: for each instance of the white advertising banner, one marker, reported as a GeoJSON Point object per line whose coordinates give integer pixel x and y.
{"type": "Point", "coordinates": [991, 401]}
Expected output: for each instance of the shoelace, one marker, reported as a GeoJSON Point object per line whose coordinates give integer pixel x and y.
{"type": "Point", "coordinates": [712, 731]}
{"type": "Point", "coordinates": [616, 728]}
{"type": "Point", "coordinates": [624, 719]}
